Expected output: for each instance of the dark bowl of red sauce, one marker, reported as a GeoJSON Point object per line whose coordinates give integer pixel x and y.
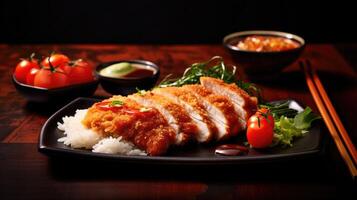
{"type": "Point", "coordinates": [263, 54]}
{"type": "Point", "coordinates": [127, 76]}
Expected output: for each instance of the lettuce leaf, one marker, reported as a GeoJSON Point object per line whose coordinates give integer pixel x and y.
{"type": "Point", "coordinates": [286, 129]}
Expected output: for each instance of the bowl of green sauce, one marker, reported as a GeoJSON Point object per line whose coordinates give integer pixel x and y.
{"type": "Point", "coordinates": [127, 76]}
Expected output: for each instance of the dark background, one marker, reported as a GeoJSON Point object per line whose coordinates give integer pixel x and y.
{"type": "Point", "coordinates": [170, 21]}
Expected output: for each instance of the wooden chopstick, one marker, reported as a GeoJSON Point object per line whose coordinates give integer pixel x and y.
{"type": "Point", "coordinates": [321, 98]}
{"type": "Point", "coordinates": [345, 137]}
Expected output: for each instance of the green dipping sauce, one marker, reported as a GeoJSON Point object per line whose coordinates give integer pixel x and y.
{"type": "Point", "coordinates": [117, 70]}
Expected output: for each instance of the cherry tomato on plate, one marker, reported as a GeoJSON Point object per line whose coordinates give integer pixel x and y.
{"type": "Point", "coordinates": [24, 67]}
{"type": "Point", "coordinates": [56, 60]}
{"type": "Point", "coordinates": [260, 129]}
{"type": "Point", "coordinates": [265, 113]}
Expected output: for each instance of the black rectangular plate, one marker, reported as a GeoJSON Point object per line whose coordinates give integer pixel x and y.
{"type": "Point", "coordinates": [309, 145]}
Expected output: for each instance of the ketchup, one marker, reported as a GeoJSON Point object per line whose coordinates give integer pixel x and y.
{"type": "Point", "coordinates": [123, 109]}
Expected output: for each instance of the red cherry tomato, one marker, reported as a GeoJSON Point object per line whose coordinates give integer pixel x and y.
{"type": "Point", "coordinates": [66, 68]}
{"type": "Point", "coordinates": [24, 67]}
{"type": "Point", "coordinates": [80, 72]}
{"type": "Point", "coordinates": [267, 114]}
{"type": "Point", "coordinates": [31, 76]}
{"type": "Point", "coordinates": [56, 60]}
{"type": "Point", "coordinates": [260, 130]}
{"type": "Point", "coordinates": [51, 78]}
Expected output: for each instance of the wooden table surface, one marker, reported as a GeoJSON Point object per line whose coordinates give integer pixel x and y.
{"type": "Point", "coordinates": [25, 173]}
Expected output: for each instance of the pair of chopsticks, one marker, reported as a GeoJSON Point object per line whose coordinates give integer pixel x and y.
{"type": "Point", "coordinates": [337, 130]}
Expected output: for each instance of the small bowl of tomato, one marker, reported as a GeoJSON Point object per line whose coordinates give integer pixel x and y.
{"type": "Point", "coordinates": [55, 79]}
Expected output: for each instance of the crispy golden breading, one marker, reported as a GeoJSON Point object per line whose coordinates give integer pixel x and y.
{"type": "Point", "coordinates": [250, 103]}
{"type": "Point", "coordinates": [169, 116]}
{"type": "Point", "coordinates": [191, 100]}
{"type": "Point", "coordinates": [175, 114]}
{"type": "Point", "coordinates": [222, 104]}
{"type": "Point", "coordinates": [145, 127]}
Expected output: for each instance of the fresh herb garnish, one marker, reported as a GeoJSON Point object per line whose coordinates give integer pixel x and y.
{"type": "Point", "coordinates": [116, 103]}
{"type": "Point", "coordinates": [280, 109]}
{"type": "Point", "coordinates": [216, 68]}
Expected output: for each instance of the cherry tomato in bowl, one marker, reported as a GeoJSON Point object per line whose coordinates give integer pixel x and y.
{"type": "Point", "coordinates": [79, 72]}
{"type": "Point", "coordinates": [50, 84]}
{"type": "Point", "coordinates": [56, 60]}
{"type": "Point", "coordinates": [62, 94]}
{"type": "Point", "coordinates": [51, 78]}
{"type": "Point", "coordinates": [24, 67]}
{"type": "Point", "coordinates": [30, 78]}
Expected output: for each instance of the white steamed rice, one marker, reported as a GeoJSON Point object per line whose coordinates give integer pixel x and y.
{"type": "Point", "coordinates": [78, 136]}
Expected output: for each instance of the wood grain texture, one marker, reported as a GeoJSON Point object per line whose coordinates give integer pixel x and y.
{"type": "Point", "coordinates": [24, 173]}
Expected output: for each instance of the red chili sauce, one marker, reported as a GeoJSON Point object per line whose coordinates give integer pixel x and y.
{"type": "Point", "coordinates": [266, 43]}
{"type": "Point", "coordinates": [124, 109]}
{"type": "Point", "coordinates": [139, 72]}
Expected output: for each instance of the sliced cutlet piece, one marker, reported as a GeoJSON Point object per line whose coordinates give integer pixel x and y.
{"type": "Point", "coordinates": [194, 108]}
{"type": "Point", "coordinates": [175, 114]}
{"type": "Point", "coordinates": [220, 110]}
{"type": "Point", "coordinates": [244, 104]}
{"type": "Point", "coordinates": [121, 116]}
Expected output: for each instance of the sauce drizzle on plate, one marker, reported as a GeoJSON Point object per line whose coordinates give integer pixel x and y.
{"type": "Point", "coordinates": [232, 150]}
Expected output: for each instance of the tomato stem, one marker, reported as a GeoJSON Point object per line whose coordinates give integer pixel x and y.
{"type": "Point", "coordinates": [32, 56]}
{"type": "Point", "coordinates": [74, 62]}
{"type": "Point", "coordinates": [265, 115]}
{"type": "Point", "coordinates": [52, 68]}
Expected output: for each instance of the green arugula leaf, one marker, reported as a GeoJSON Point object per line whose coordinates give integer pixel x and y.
{"type": "Point", "coordinates": [280, 109]}
{"type": "Point", "coordinates": [304, 119]}
{"type": "Point", "coordinates": [215, 68]}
